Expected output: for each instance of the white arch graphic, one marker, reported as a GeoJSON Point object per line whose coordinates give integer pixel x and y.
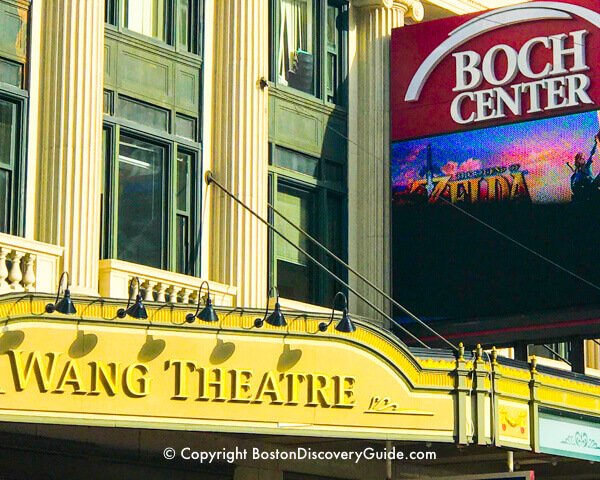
{"type": "Point", "coordinates": [492, 21]}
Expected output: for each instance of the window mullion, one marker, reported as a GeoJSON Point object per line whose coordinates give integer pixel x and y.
{"type": "Point", "coordinates": [114, 207]}
{"type": "Point", "coordinates": [170, 217]}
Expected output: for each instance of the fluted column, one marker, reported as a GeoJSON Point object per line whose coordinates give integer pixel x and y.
{"type": "Point", "coordinates": [238, 253]}
{"type": "Point", "coordinates": [369, 165]}
{"type": "Point", "coordinates": [69, 143]}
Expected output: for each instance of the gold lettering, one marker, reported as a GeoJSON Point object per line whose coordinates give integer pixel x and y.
{"type": "Point", "coordinates": [142, 388]}
{"type": "Point", "coordinates": [473, 188]}
{"type": "Point", "coordinates": [181, 377]}
{"type": "Point", "coordinates": [106, 374]}
{"type": "Point", "coordinates": [498, 188]}
{"type": "Point", "coordinates": [71, 375]}
{"type": "Point", "coordinates": [344, 391]}
{"type": "Point", "coordinates": [293, 381]}
{"type": "Point", "coordinates": [317, 384]}
{"type": "Point", "coordinates": [269, 386]}
{"type": "Point", "coordinates": [519, 188]}
{"type": "Point", "coordinates": [440, 186]}
{"type": "Point", "coordinates": [217, 384]}
{"type": "Point", "coordinates": [459, 191]}
{"type": "Point", "coordinates": [43, 373]}
{"type": "Point", "coordinates": [240, 385]}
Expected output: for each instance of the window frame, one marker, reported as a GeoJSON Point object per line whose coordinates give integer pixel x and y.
{"type": "Point", "coordinates": [319, 81]}
{"type": "Point", "coordinates": [115, 127]}
{"type": "Point", "coordinates": [321, 190]}
{"type": "Point", "coordinates": [18, 183]}
{"type": "Point", "coordinates": [114, 18]}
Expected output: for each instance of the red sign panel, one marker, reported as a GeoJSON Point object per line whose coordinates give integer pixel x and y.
{"type": "Point", "coordinates": [512, 64]}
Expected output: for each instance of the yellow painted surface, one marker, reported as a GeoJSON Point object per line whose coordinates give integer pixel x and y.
{"type": "Point", "coordinates": [195, 379]}
{"type": "Point", "coordinates": [513, 422]}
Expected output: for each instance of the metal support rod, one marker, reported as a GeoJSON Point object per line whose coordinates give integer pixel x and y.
{"type": "Point", "coordinates": [361, 277]}
{"type": "Point", "coordinates": [210, 179]}
{"type": "Point", "coordinates": [510, 461]}
{"type": "Point", "coordinates": [556, 354]}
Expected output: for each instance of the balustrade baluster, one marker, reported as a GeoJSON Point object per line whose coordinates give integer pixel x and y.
{"type": "Point", "coordinates": [149, 290]}
{"type": "Point", "coordinates": [160, 292]}
{"type": "Point", "coordinates": [28, 272]}
{"type": "Point", "coordinates": [185, 295]}
{"type": "Point", "coordinates": [15, 275]}
{"type": "Point", "coordinates": [3, 269]}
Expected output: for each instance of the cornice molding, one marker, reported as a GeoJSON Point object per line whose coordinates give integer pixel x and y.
{"type": "Point", "coordinates": [412, 8]}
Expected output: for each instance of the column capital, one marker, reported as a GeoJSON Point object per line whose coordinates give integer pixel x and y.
{"type": "Point", "coordinates": [413, 8]}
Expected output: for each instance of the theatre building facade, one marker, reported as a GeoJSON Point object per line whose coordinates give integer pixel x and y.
{"type": "Point", "coordinates": [193, 193]}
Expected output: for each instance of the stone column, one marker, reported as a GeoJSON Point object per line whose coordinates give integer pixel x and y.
{"type": "Point", "coordinates": [238, 241]}
{"type": "Point", "coordinates": [369, 166]}
{"type": "Point", "coordinates": [69, 142]}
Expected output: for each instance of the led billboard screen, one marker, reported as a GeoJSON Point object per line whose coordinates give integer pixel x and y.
{"type": "Point", "coordinates": [494, 161]}
{"type": "Point", "coordinates": [523, 162]}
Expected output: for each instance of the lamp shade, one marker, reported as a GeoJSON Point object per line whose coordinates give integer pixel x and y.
{"type": "Point", "coordinates": [65, 305]}
{"type": "Point", "coordinates": [345, 325]}
{"type": "Point", "coordinates": [208, 313]}
{"type": "Point", "coordinates": [276, 318]}
{"type": "Point", "coordinates": [137, 310]}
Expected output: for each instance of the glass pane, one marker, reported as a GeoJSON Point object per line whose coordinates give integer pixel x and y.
{"type": "Point", "coordinates": [107, 102]}
{"type": "Point", "coordinates": [297, 162]}
{"type": "Point", "coordinates": [334, 172]}
{"type": "Point", "coordinates": [297, 35]}
{"type": "Point", "coordinates": [184, 181]}
{"type": "Point", "coordinates": [143, 114]}
{"type": "Point", "coordinates": [332, 35]}
{"type": "Point", "coordinates": [147, 17]}
{"type": "Point", "coordinates": [335, 243]}
{"type": "Point", "coordinates": [295, 205]}
{"type": "Point", "coordinates": [293, 268]}
{"type": "Point", "coordinates": [182, 244]}
{"type": "Point", "coordinates": [141, 208]}
{"type": "Point", "coordinates": [185, 127]}
{"type": "Point", "coordinates": [293, 281]}
{"type": "Point", "coordinates": [8, 125]}
{"type": "Point", "coordinates": [11, 73]}
{"type": "Point", "coordinates": [109, 12]}
{"type": "Point", "coordinates": [5, 201]}
{"type": "Point", "coordinates": [183, 24]}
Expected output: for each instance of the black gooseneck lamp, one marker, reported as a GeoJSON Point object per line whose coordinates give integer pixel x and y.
{"type": "Point", "coordinates": [65, 304]}
{"type": "Point", "coordinates": [345, 324]}
{"type": "Point", "coordinates": [137, 310]}
{"type": "Point", "coordinates": [276, 319]}
{"type": "Point", "coordinates": [208, 313]}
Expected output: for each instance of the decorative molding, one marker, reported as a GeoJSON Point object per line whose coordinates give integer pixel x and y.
{"type": "Point", "coordinates": [413, 8]}
{"type": "Point", "coordinates": [581, 440]}
{"type": "Point", "coordinates": [386, 406]}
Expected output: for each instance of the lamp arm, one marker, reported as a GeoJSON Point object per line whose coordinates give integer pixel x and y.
{"type": "Point", "coordinates": [60, 281]}
{"type": "Point", "coordinates": [138, 290]}
{"type": "Point", "coordinates": [324, 326]}
{"type": "Point", "coordinates": [200, 295]}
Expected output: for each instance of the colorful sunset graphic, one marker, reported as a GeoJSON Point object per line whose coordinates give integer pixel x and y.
{"type": "Point", "coordinates": [524, 161]}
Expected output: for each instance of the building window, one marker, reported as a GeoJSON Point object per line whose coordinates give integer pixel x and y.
{"type": "Point", "coordinates": [11, 162]}
{"type": "Point", "coordinates": [174, 22]}
{"type": "Point", "coordinates": [151, 191]}
{"type": "Point", "coordinates": [310, 36]}
{"type": "Point", "coordinates": [148, 17]}
{"type": "Point", "coordinates": [300, 193]}
{"type": "Point", "coordinates": [555, 351]}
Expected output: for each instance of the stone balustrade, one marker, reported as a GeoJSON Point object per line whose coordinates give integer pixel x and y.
{"type": "Point", "coordinates": [27, 265]}
{"type": "Point", "coordinates": [158, 285]}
